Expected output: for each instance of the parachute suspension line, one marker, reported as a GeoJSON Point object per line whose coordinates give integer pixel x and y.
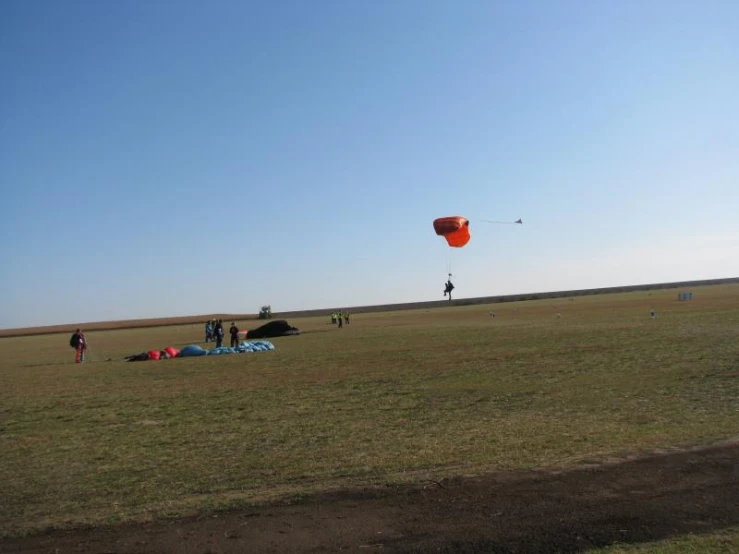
{"type": "Point", "coordinates": [448, 273]}
{"type": "Point", "coordinates": [455, 230]}
{"type": "Point", "coordinates": [518, 222]}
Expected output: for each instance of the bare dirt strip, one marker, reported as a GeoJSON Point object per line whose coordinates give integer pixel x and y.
{"type": "Point", "coordinates": [627, 501]}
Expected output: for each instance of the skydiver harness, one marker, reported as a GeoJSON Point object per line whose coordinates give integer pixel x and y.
{"type": "Point", "coordinates": [448, 286]}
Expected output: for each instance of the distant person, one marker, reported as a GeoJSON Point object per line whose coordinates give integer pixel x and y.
{"type": "Point", "coordinates": [448, 288]}
{"type": "Point", "coordinates": [346, 317]}
{"type": "Point", "coordinates": [340, 320]}
{"type": "Point", "coordinates": [652, 313]}
{"type": "Point", "coordinates": [79, 343]}
{"type": "Point", "coordinates": [208, 331]}
{"type": "Point", "coordinates": [219, 333]}
{"type": "Point", "coordinates": [234, 334]}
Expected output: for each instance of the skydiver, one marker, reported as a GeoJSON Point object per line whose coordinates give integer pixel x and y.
{"type": "Point", "coordinates": [448, 288]}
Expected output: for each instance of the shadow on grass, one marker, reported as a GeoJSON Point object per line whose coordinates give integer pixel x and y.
{"type": "Point", "coordinates": [647, 499]}
{"type": "Point", "coordinates": [638, 501]}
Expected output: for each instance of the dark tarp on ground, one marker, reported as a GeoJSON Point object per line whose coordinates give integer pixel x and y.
{"type": "Point", "coordinates": [279, 328]}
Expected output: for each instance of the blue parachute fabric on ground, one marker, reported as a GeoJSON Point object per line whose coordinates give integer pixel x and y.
{"type": "Point", "coordinates": [192, 350]}
{"type": "Point", "coordinates": [221, 350]}
{"type": "Point", "coordinates": [256, 346]}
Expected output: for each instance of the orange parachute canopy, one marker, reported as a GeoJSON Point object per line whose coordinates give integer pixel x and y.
{"type": "Point", "coordinates": [456, 230]}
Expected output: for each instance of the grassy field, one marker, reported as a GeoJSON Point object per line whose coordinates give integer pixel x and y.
{"type": "Point", "coordinates": [722, 542]}
{"type": "Point", "coordinates": [391, 398]}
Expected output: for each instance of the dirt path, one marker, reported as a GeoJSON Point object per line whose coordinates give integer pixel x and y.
{"type": "Point", "coordinates": [634, 501]}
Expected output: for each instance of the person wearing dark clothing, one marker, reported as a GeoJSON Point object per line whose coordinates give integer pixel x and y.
{"type": "Point", "coordinates": [448, 288]}
{"type": "Point", "coordinates": [219, 333]}
{"type": "Point", "coordinates": [79, 344]}
{"type": "Point", "coordinates": [234, 335]}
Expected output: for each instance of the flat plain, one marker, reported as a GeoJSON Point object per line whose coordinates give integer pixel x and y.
{"type": "Point", "coordinates": [392, 405]}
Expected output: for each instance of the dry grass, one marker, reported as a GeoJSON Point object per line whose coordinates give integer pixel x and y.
{"type": "Point", "coordinates": [392, 397]}
{"type": "Point", "coordinates": [720, 542]}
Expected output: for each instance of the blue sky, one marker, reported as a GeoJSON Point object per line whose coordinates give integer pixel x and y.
{"type": "Point", "coordinates": [178, 158]}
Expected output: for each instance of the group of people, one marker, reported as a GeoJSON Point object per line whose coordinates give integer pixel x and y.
{"type": "Point", "coordinates": [214, 329]}
{"type": "Point", "coordinates": [214, 332]}
{"type": "Point", "coordinates": [340, 318]}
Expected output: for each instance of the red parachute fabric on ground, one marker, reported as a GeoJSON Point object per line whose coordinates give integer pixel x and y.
{"type": "Point", "coordinates": [154, 354]}
{"type": "Point", "coordinates": [172, 351]}
{"type": "Point", "coordinates": [456, 230]}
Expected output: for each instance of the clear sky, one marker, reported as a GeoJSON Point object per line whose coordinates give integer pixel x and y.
{"type": "Point", "coordinates": [187, 157]}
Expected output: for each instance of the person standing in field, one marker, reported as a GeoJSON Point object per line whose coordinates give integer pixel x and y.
{"type": "Point", "coordinates": [79, 344]}
{"type": "Point", "coordinates": [208, 331]}
{"type": "Point", "coordinates": [219, 333]}
{"type": "Point", "coordinates": [234, 334]}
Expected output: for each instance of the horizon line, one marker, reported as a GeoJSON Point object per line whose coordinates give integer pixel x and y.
{"type": "Point", "coordinates": [374, 308]}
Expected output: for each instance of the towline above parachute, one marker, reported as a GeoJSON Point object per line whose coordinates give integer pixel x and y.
{"type": "Point", "coordinates": [456, 229]}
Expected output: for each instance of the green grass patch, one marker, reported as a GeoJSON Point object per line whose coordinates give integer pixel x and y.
{"type": "Point", "coordinates": [390, 398]}
{"type": "Point", "coordinates": [722, 542]}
